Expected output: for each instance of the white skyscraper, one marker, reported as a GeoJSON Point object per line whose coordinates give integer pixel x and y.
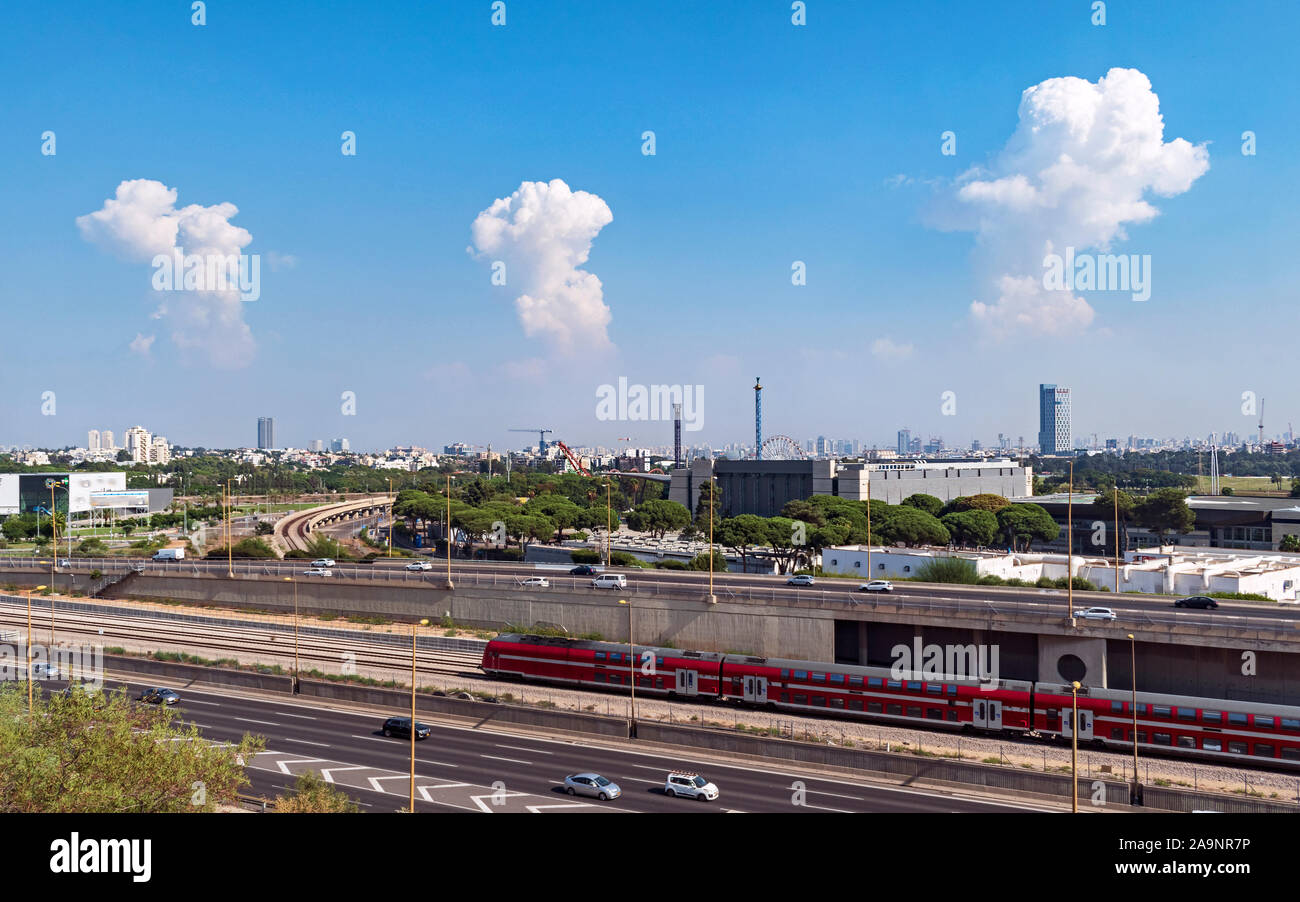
{"type": "Point", "coordinates": [107, 439]}
{"type": "Point", "coordinates": [92, 440]}
{"type": "Point", "coordinates": [1053, 419]}
{"type": "Point", "coordinates": [139, 442]}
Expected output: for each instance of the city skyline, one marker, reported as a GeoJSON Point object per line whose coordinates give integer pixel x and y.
{"type": "Point", "coordinates": [889, 272]}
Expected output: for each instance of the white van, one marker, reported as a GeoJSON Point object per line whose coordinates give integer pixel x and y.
{"type": "Point", "coordinates": [609, 581]}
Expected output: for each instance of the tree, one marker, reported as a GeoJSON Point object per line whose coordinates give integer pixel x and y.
{"type": "Point", "coordinates": [658, 517]}
{"type": "Point", "coordinates": [741, 534]}
{"type": "Point", "coordinates": [1025, 522]}
{"type": "Point", "coordinates": [560, 510]}
{"type": "Point", "coordinates": [313, 795]}
{"type": "Point", "coordinates": [913, 526]}
{"type": "Point", "coordinates": [701, 562]}
{"type": "Point", "coordinates": [97, 752]}
{"type": "Point", "coordinates": [928, 503]}
{"type": "Point", "coordinates": [1127, 504]}
{"type": "Point", "coordinates": [1289, 543]}
{"type": "Point", "coordinates": [706, 496]}
{"type": "Point", "coordinates": [788, 540]}
{"type": "Point", "coordinates": [526, 528]}
{"type": "Point", "coordinates": [806, 511]}
{"type": "Point", "coordinates": [16, 528]}
{"type": "Point", "coordinates": [982, 502]}
{"type": "Point", "coordinates": [1166, 510]}
{"type": "Point", "coordinates": [972, 527]}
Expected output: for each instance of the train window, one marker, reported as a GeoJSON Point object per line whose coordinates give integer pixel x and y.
{"type": "Point", "coordinates": [1263, 750]}
{"type": "Point", "coordinates": [1187, 742]}
{"type": "Point", "coordinates": [1237, 719]}
{"type": "Point", "coordinates": [1211, 717]}
{"type": "Point", "coordinates": [875, 682]}
{"type": "Point", "coordinates": [913, 685]}
{"type": "Point", "coordinates": [837, 678]}
{"type": "Point", "coordinates": [837, 703]}
{"type": "Point", "coordinates": [893, 684]}
{"type": "Point", "coordinates": [600, 656]}
{"type": "Point", "coordinates": [736, 685]}
{"type": "Point", "coordinates": [659, 682]}
{"type": "Point", "coordinates": [1142, 736]}
{"type": "Point", "coordinates": [616, 678]}
{"type": "Point", "coordinates": [785, 674]}
{"type": "Point", "coordinates": [801, 674]}
{"type": "Point", "coordinates": [914, 711]}
{"type": "Point", "coordinates": [855, 681]}
{"type": "Point", "coordinates": [1053, 715]}
{"type": "Point", "coordinates": [616, 656]}
{"type": "Point", "coordinates": [818, 700]}
{"type": "Point", "coordinates": [1237, 748]}
{"type": "Point", "coordinates": [1160, 710]}
{"type": "Point", "coordinates": [643, 682]}
{"type": "Point", "coordinates": [599, 676]}
{"type": "Point", "coordinates": [785, 697]}
{"type": "Point", "coordinates": [893, 709]}
{"type": "Point", "coordinates": [1186, 713]}
{"type": "Point", "coordinates": [1212, 745]}
{"type": "Point", "coordinates": [952, 714]}
{"type": "Point", "coordinates": [855, 704]}
{"type": "Point", "coordinates": [1116, 707]}
{"type": "Point", "coordinates": [934, 713]}
{"type": "Point", "coordinates": [1289, 723]}
{"type": "Point", "coordinates": [1265, 721]}
{"type": "Point", "coordinates": [873, 707]}
{"type": "Point", "coordinates": [934, 688]}
{"type": "Point", "coordinates": [1117, 733]}
{"type": "Point", "coordinates": [800, 699]}
{"type": "Point", "coordinates": [819, 677]}
{"type": "Point", "coordinates": [1291, 754]}
{"type": "Point", "coordinates": [1162, 739]}
{"type": "Point", "coordinates": [659, 660]}
{"type": "Point", "coordinates": [1142, 708]}
{"type": "Point", "coordinates": [952, 690]}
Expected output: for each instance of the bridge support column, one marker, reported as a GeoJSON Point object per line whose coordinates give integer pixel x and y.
{"type": "Point", "coordinates": [1065, 658]}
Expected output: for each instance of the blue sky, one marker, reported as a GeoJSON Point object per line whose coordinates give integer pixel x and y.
{"type": "Point", "coordinates": [775, 143]}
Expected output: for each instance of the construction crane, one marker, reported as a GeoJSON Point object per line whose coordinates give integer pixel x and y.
{"type": "Point", "coordinates": [1261, 424]}
{"type": "Point", "coordinates": [541, 437]}
{"type": "Point", "coordinates": [577, 464]}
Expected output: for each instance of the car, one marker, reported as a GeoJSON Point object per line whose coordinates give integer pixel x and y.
{"type": "Point", "coordinates": [877, 585]}
{"type": "Point", "coordinates": [537, 582]}
{"type": "Point", "coordinates": [691, 785]}
{"type": "Point", "coordinates": [1197, 601]}
{"type": "Point", "coordinates": [1096, 614]}
{"type": "Point", "coordinates": [318, 571]}
{"type": "Point", "coordinates": [609, 581]}
{"type": "Point", "coordinates": [583, 570]}
{"type": "Point", "coordinates": [593, 785]}
{"type": "Point", "coordinates": [803, 579]}
{"type": "Point", "coordinates": [323, 562]}
{"type": "Point", "coordinates": [159, 696]}
{"type": "Point", "coordinates": [65, 563]}
{"type": "Point", "coordinates": [401, 726]}
{"type": "Point", "coordinates": [45, 671]}
{"type": "Point", "coordinates": [419, 565]}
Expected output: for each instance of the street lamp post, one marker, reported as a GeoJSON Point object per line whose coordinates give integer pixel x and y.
{"type": "Point", "coordinates": [1074, 747]}
{"type": "Point", "coordinates": [713, 599]}
{"type": "Point", "coordinates": [414, 626]}
{"type": "Point", "coordinates": [1135, 794]}
{"type": "Point", "coordinates": [631, 648]}
{"type": "Point", "coordinates": [609, 521]}
{"type": "Point", "coordinates": [290, 579]}
{"type": "Point", "coordinates": [1069, 567]}
{"type": "Point", "coordinates": [29, 646]}
{"type": "Point", "coordinates": [390, 518]}
{"type": "Point", "coordinates": [449, 583]}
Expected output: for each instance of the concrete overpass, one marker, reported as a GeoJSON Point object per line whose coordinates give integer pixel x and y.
{"type": "Point", "coordinates": [293, 533]}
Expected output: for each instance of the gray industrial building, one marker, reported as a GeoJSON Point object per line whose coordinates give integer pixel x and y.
{"type": "Point", "coordinates": [763, 487]}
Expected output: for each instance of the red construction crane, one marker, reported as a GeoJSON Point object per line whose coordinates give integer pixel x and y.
{"type": "Point", "coordinates": [577, 465]}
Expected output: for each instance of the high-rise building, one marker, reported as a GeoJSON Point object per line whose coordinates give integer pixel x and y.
{"type": "Point", "coordinates": [904, 441]}
{"type": "Point", "coordinates": [265, 433]}
{"type": "Point", "coordinates": [107, 439]}
{"type": "Point", "coordinates": [318, 444]}
{"type": "Point", "coordinates": [159, 451]}
{"type": "Point", "coordinates": [340, 444]}
{"type": "Point", "coordinates": [92, 440]}
{"type": "Point", "coordinates": [1053, 419]}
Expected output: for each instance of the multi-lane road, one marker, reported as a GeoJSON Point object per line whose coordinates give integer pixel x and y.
{"type": "Point", "coordinates": [461, 768]}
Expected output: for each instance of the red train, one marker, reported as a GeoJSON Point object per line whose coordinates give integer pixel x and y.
{"type": "Point", "coordinates": [1195, 727]}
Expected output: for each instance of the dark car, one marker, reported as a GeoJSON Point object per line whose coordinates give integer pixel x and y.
{"type": "Point", "coordinates": [401, 726]}
{"type": "Point", "coordinates": [583, 570]}
{"type": "Point", "coordinates": [1197, 601]}
{"type": "Point", "coordinates": [159, 696]}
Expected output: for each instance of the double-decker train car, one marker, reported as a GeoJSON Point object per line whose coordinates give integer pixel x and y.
{"type": "Point", "coordinates": [1217, 730]}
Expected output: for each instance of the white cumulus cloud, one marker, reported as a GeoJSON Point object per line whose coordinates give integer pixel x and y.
{"type": "Point", "coordinates": [142, 344]}
{"type": "Point", "coordinates": [543, 233]}
{"type": "Point", "coordinates": [1076, 173]}
{"type": "Point", "coordinates": [889, 350]}
{"type": "Point", "coordinates": [142, 221]}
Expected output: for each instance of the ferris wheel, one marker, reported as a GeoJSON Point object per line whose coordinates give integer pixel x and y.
{"type": "Point", "coordinates": [782, 447]}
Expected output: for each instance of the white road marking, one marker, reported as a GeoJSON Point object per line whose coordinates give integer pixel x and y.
{"type": "Point", "coordinates": [250, 720]}
{"type": "Point", "coordinates": [284, 765]}
{"type": "Point", "coordinates": [323, 745]}
{"type": "Point", "coordinates": [195, 701]}
{"type": "Point", "coordinates": [287, 714]}
{"type": "Point", "coordinates": [512, 760]}
{"type": "Point", "coordinates": [521, 749]}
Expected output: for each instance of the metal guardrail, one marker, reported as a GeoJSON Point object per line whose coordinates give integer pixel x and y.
{"type": "Point", "coordinates": [397, 640]}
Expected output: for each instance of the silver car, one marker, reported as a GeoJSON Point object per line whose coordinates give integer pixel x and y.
{"type": "Point", "coordinates": [1097, 614]}
{"type": "Point", "coordinates": [593, 785]}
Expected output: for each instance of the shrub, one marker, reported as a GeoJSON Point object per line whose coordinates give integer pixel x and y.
{"type": "Point", "coordinates": [947, 570]}
{"type": "Point", "coordinates": [584, 556]}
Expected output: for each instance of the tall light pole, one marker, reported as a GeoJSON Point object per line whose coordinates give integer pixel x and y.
{"type": "Point", "coordinates": [29, 646]}
{"type": "Point", "coordinates": [631, 649]}
{"type": "Point", "coordinates": [609, 521]}
{"type": "Point", "coordinates": [1069, 567]}
{"type": "Point", "coordinates": [290, 579]}
{"type": "Point", "coordinates": [1135, 794]}
{"type": "Point", "coordinates": [449, 583]}
{"type": "Point", "coordinates": [1117, 541]}
{"type": "Point", "coordinates": [712, 598]}
{"type": "Point", "coordinates": [390, 518]}
{"type": "Point", "coordinates": [230, 536]}
{"type": "Point", "coordinates": [869, 571]}
{"type": "Point", "coordinates": [1074, 747]}
{"type": "Point", "coordinates": [414, 626]}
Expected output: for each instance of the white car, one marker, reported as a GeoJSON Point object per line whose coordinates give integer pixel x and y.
{"type": "Point", "coordinates": [609, 581]}
{"type": "Point", "coordinates": [690, 785]}
{"type": "Point", "coordinates": [877, 585]}
{"type": "Point", "coordinates": [318, 571]}
{"type": "Point", "coordinates": [323, 562]}
{"type": "Point", "coordinates": [536, 582]}
{"type": "Point", "coordinates": [419, 565]}
{"type": "Point", "coordinates": [803, 579]}
{"type": "Point", "coordinates": [65, 563]}
{"type": "Point", "coordinates": [45, 671]}
{"type": "Point", "coordinates": [1096, 614]}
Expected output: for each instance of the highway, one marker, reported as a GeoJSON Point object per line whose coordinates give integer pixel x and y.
{"type": "Point", "coordinates": [731, 587]}
{"type": "Point", "coordinates": [487, 771]}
